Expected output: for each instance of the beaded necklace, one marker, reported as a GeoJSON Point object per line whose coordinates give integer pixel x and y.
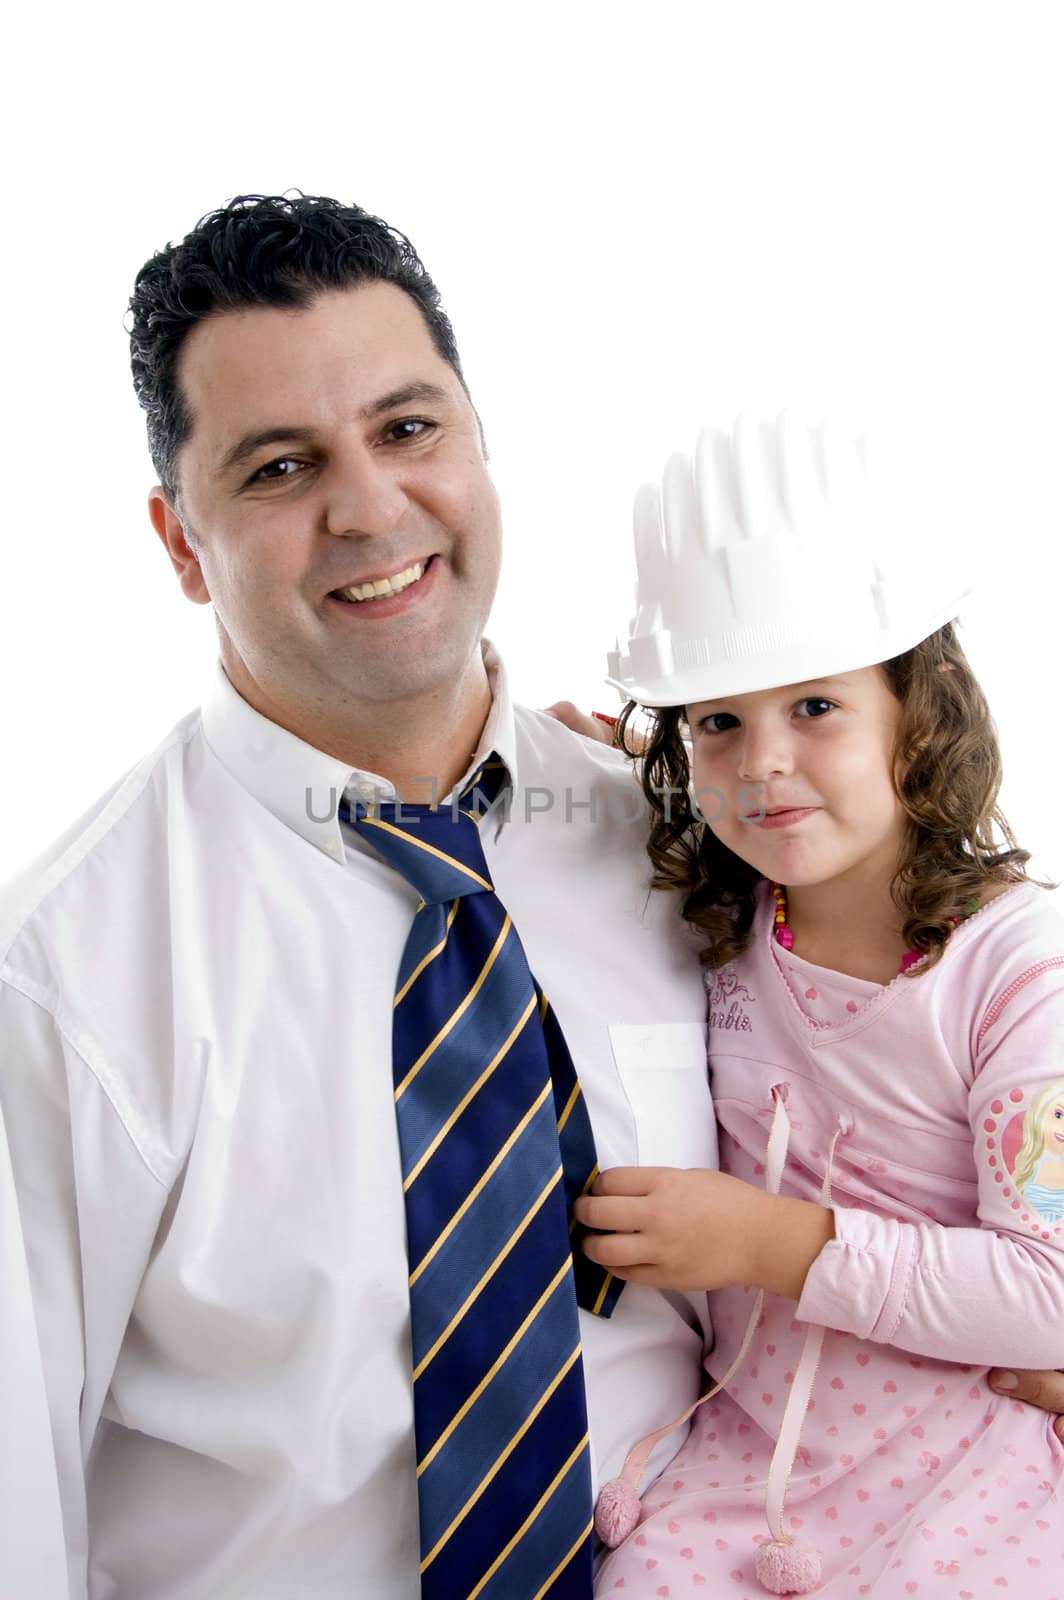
{"type": "Point", "coordinates": [785, 937]}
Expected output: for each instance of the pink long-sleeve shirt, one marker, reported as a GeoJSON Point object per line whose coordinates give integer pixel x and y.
{"type": "Point", "coordinates": [937, 1249]}
{"type": "Point", "coordinates": [946, 1091]}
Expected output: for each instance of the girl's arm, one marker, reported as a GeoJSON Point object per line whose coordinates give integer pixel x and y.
{"type": "Point", "coordinates": [693, 1229]}
{"type": "Point", "coordinates": [992, 1294]}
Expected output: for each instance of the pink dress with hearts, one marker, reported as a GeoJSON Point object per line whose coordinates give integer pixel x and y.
{"type": "Point", "coordinates": [946, 1093]}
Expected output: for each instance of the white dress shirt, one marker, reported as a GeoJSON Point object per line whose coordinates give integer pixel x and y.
{"type": "Point", "coordinates": [195, 1024]}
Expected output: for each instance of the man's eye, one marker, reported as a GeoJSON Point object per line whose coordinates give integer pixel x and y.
{"type": "Point", "coordinates": [283, 467]}
{"type": "Point", "coordinates": [815, 707]}
{"type": "Point", "coordinates": [408, 428]}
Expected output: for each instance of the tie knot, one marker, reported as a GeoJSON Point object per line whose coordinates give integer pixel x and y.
{"type": "Point", "coordinates": [437, 849]}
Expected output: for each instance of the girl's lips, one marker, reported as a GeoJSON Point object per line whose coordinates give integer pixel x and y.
{"type": "Point", "coordinates": [783, 819]}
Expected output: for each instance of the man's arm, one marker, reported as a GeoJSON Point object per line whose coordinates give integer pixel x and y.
{"type": "Point", "coordinates": [1042, 1389]}
{"type": "Point", "coordinates": [78, 1218]}
{"type": "Point", "coordinates": [32, 1553]}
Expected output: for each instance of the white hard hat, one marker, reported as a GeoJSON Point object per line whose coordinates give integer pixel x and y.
{"type": "Point", "coordinates": [765, 559]}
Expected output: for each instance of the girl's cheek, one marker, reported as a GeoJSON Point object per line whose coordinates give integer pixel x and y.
{"type": "Point", "coordinates": [701, 767]}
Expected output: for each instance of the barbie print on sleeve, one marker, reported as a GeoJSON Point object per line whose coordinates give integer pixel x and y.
{"type": "Point", "coordinates": [1038, 1166]}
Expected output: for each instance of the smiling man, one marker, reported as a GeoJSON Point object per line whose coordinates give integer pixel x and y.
{"type": "Point", "coordinates": [298, 1095]}
{"type": "Point", "coordinates": [292, 1124]}
{"type": "Point", "coordinates": [334, 505]}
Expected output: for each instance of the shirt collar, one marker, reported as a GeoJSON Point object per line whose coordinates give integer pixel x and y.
{"type": "Point", "coordinates": [302, 786]}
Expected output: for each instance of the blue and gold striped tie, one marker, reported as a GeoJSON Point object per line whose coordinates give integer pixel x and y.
{"type": "Point", "coordinates": [496, 1144]}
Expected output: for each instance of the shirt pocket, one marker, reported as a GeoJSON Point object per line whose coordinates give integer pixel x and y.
{"type": "Point", "coordinates": [662, 1068]}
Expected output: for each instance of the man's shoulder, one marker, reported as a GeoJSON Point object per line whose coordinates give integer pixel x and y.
{"type": "Point", "coordinates": [547, 747]}
{"type": "Point", "coordinates": [563, 777]}
{"type": "Point", "coordinates": [87, 840]}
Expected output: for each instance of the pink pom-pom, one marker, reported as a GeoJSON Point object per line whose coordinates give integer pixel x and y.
{"type": "Point", "coordinates": [617, 1512]}
{"type": "Point", "coordinates": [791, 1568]}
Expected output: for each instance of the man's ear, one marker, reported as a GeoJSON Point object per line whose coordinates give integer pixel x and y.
{"type": "Point", "coordinates": [171, 530]}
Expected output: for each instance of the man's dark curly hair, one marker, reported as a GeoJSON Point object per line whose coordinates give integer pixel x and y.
{"type": "Point", "coordinates": [259, 250]}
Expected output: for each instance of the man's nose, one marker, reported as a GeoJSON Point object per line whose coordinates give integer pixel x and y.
{"type": "Point", "coordinates": [362, 495]}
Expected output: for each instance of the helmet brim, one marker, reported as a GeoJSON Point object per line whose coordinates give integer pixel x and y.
{"type": "Point", "coordinates": [827, 656]}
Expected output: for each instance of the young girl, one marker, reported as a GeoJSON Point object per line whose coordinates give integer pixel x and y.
{"type": "Point", "coordinates": [886, 1043]}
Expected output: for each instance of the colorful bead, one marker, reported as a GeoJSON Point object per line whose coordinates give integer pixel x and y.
{"type": "Point", "coordinates": [785, 937]}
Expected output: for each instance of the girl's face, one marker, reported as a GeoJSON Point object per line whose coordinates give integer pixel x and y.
{"type": "Point", "coordinates": [1053, 1128]}
{"type": "Point", "coordinates": [815, 760]}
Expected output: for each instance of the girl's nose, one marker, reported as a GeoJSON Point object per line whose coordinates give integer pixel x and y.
{"type": "Point", "coordinates": [764, 755]}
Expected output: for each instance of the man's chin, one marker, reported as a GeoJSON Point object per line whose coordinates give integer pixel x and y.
{"type": "Point", "coordinates": [423, 675]}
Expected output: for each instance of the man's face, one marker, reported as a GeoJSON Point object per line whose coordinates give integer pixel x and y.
{"type": "Point", "coordinates": [332, 448]}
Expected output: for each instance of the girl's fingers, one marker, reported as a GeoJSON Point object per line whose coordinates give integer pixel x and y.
{"type": "Point", "coordinates": [611, 1213]}
{"type": "Point", "coordinates": [572, 717]}
{"type": "Point", "coordinates": [626, 1180]}
{"type": "Point", "coordinates": [653, 1276]}
{"type": "Point", "coordinates": [617, 1251]}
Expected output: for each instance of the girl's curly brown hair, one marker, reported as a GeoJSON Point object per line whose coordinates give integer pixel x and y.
{"type": "Point", "coordinates": [947, 773]}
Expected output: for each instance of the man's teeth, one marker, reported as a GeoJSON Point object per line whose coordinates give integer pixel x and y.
{"type": "Point", "coordinates": [394, 585]}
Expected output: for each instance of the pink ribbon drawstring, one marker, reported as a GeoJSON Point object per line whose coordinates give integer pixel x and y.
{"type": "Point", "coordinates": [785, 1565]}
{"type": "Point", "coordinates": [618, 1508]}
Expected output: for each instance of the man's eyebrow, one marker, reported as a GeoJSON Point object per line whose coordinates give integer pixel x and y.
{"type": "Point", "coordinates": [250, 443]}
{"type": "Point", "coordinates": [407, 394]}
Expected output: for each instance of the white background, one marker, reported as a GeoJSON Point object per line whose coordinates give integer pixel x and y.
{"type": "Point", "coordinates": [641, 218]}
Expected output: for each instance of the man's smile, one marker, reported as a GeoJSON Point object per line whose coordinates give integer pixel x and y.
{"type": "Point", "coordinates": [375, 588]}
{"type": "Point", "coordinates": [387, 596]}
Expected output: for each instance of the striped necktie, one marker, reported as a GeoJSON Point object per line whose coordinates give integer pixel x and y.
{"type": "Point", "coordinates": [496, 1144]}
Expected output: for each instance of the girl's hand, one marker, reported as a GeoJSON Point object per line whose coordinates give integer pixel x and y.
{"type": "Point", "coordinates": [579, 722]}
{"type": "Point", "coordinates": [597, 726]}
{"type": "Point", "coordinates": [696, 1229]}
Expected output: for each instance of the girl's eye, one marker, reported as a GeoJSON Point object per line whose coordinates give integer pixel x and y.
{"type": "Point", "coordinates": [718, 722]}
{"type": "Point", "coordinates": [815, 707]}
